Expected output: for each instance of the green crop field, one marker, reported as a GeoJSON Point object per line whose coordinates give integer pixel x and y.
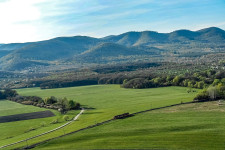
{"type": "Point", "coordinates": [190, 126]}
{"type": "Point", "coordinates": [104, 102]}
{"type": "Point", "coordinates": [14, 131]}
{"type": "Point", "coordinates": [11, 108]}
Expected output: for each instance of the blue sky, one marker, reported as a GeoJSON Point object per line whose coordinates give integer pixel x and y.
{"type": "Point", "coordinates": [34, 20]}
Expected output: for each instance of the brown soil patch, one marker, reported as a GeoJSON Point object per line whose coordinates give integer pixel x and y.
{"type": "Point", "coordinates": [26, 116]}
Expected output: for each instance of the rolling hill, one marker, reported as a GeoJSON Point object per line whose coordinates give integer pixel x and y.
{"type": "Point", "coordinates": [83, 49]}
{"type": "Point", "coordinates": [57, 48]}
{"type": "Point", "coordinates": [103, 52]}
{"type": "Point", "coordinates": [211, 34]}
{"type": "Point", "coordinates": [13, 46]}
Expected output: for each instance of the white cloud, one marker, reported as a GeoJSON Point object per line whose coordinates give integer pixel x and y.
{"type": "Point", "coordinates": [13, 14]}
{"type": "Point", "coordinates": [32, 20]}
{"type": "Point", "coordinates": [13, 11]}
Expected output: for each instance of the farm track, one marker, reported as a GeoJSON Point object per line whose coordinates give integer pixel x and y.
{"type": "Point", "coordinates": [101, 123]}
{"type": "Point", "coordinates": [74, 119]}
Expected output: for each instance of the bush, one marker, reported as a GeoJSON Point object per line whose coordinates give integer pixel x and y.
{"type": "Point", "coordinates": [50, 100]}
{"type": "Point", "coordinates": [66, 118]}
{"type": "Point", "coordinates": [202, 96]}
{"type": "Point", "coordinates": [71, 104]}
{"type": "Point", "coordinates": [10, 93]}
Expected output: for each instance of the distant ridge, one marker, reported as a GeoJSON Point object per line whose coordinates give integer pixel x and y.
{"type": "Point", "coordinates": [84, 49]}
{"type": "Point", "coordinates": [211, 34]}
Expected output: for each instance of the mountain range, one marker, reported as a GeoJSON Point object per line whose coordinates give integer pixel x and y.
{"type": "Point", "coordinates": [114, 48]}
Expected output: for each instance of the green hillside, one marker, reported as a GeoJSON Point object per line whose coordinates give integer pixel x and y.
{"type": "Point", "coordinates": [105, 51]}
{"type": "Point", "coordinates": [127, 47]}
{"type": "Point", "coordinates": [187, 127]}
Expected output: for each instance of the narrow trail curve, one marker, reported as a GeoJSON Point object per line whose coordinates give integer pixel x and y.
{"type": "Point", "coordinates": [74, 119]}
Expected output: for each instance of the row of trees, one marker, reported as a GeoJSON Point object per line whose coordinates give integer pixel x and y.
{"type": "Point", "coordinates": [212, 82]}
{"type": "Point", "coordinates": [7, 93]}
{"type": "Point", "coordinates": [66, 83]}
{"type": "Point", "coordinates": [60, 104]}
{"type": "Point", "coordinates": [214, 92]}
{"type": "Point", "coordinates": [199, 80]}
{"type": "Point", "coordinates": [111, 78]}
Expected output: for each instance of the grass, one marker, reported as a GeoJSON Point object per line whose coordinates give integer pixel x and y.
{"type": "Point", "coordinates": [14, 131]}
{"type": "Point", "coordinates": [106, 101]}
{"type": "Point", "coordinates": [11, 108]}
{"type": "Point", "coordinates": [190, 126]}
{"type": "Point", "coordinates": [111, 99]}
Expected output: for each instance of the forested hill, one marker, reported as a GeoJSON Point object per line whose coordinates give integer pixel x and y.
{"type": "Point", "coordinates": [212, 34]}
{"type": "Point", "coordinates": [126, 47]}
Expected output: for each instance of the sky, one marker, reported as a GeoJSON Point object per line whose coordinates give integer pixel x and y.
{"type": "Point", "coordinates": [36, 20]}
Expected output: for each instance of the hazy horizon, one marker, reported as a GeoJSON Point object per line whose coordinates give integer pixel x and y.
{"type": "Point", "coordinates": [110, 35]}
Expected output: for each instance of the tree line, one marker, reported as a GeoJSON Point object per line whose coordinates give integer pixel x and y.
{"type": "Point", "coordinates": [211, 81]}
{"type": "Point", "coordinates": [61, 104]}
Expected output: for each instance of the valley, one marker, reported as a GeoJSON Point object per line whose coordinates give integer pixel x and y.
{"type": "Point", "coordinates": [139, 73]}
{"type": "Point", "coordinates": [112, 75]}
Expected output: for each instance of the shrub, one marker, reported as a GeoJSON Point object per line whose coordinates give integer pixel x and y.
{"type": "Point", "coordinates": [66, 118]}
{"type": "Point", "coordinates": [50, 100]}
{"type": "Point", "coordinates": [71, 104]}
{"type": "Point", "coordinates": [202, 96]}
{"type": "Point", "coordinates": [10, 93]}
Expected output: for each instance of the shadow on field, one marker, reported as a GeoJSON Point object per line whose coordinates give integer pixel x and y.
{"type": "Point", "coordinates": [87, 108]}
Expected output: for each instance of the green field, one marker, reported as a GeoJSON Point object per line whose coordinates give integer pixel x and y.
{"type": "Point", "coordinates": [190, 126]}
{"type": "Point", "coordinates": [111, 99]}
{"type": "Point", "coordinates": [14, 131]}
{"type": "Point", "coordinates": [106, 101]}
{"type": "Point", "coordinates": [11, 108]}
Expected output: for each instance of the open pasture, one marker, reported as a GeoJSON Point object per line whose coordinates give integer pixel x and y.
{"type": "Point", "coordinates": [103, 102]}
{"type": "Point", "coordinates": [198, 126]}
{"type": "Point", "coordinates": [18, 130]}
{"type": "Point", "coordinates": [11, 108]}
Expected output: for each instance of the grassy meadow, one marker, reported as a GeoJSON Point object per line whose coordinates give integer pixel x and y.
{"type": "Point", "coordinates": [12, 108]}
{"type": "Point", "coordinates": [197, 126]}
{"type": "Point", "coordinates": [18, 130]}
{"type": "Point", "coordinates": [104, 102]}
